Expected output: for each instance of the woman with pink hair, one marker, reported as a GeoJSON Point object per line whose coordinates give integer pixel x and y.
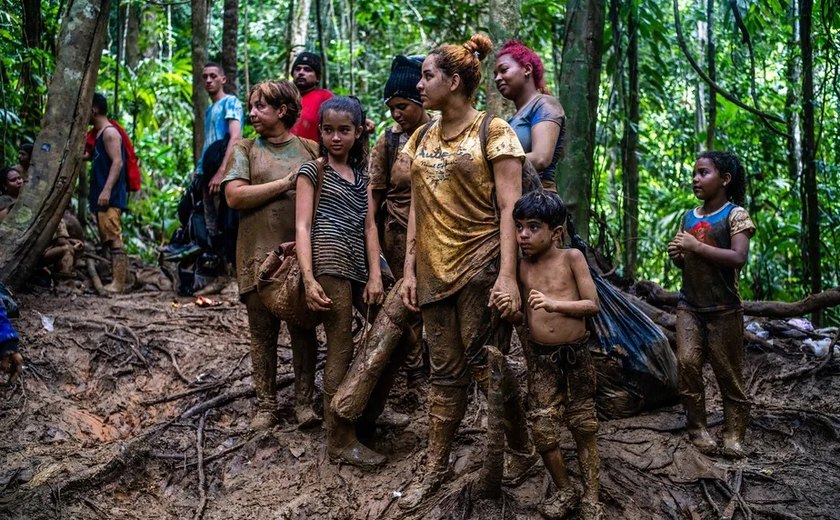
{"type": "Point", "coordinates": [540, 121]}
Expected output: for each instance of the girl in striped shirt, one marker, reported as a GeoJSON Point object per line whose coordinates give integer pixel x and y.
{"type": "Point", "coordinates": [338, 252]}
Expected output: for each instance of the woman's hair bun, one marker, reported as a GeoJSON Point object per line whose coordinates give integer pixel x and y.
{"type": "Point", "coordinates": [479, 44]}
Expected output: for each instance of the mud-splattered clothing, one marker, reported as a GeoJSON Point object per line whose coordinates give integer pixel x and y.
{"type": "Point", "coordinates": [396, 179]}
{"type": "Point", "coordinates": [561, 389]}
{"type": "Point", "coordinates": [6, 202]}
{"type": "Point", "coordinates": [99, 170]}
{"type": "Point", "coordinates": [718, 337]}
{"type": "Point", "coordinates": [707, 286]}
{"type": "Point", "coordinates": [338, 230]}
{"type": "Point", "coordinates": [541, 108]}
{"type": "Point", "coordinates": [452, 188]}
{"type": "Point", "coordinates": [262, 229]}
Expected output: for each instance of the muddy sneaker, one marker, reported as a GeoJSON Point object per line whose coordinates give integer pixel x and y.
{"type": "Point", "coordinates": [519, 466]}
{"type": "Point", "coordinates": [263, 420]}
{"type": "Point", "coordinates": [421, 489]}
{"type": "Point", "coordinates": [591, 510]}
{"type": "Point", "coordinates": [703, 441]}
{"type": "Point", "coordinates": [733, 448]}
{"type": "Point", "coordinates": [560, 504]}
{"type": "Point", "coordinates": [389, 418]}
{"type": "Point", "coordinates": [357, 454]}
{"type": "Point", "coordinates": [306, 417]}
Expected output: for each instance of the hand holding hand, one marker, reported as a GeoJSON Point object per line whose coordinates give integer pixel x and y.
{"type": "Point", "coordinates": [685, 241]}
{"type": "Point", "coordinates": [506, 286]}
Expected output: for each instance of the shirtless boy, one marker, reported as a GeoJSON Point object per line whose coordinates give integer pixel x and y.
{"type": "Point", "coordinates": [561, 377]}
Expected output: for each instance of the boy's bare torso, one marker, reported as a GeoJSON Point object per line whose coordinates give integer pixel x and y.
{"type": "Point", "coordinates": [552, 274]}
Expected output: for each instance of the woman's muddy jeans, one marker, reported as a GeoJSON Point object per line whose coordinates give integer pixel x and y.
{"type": "Point", "coordinates": [457, 330]}
{"type": "Point", "coordinates": [720, 337]}
{"type": "Point", "coordinates": [265, 328]}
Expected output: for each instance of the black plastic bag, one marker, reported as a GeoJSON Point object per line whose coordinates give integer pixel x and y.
{"type": "Point", "coordinates": [636, 368]}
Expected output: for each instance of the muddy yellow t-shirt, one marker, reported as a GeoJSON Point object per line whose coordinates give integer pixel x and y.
{"type": "Point", "coordinates": [457, 229]}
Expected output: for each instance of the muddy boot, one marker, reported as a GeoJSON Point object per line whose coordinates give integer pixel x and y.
{"type": "Point", "coordinates": [119, 272]}
{"type": "Point", "coordinates": [519, 465]}
{"type": "Point", "coordinates": [390, 418]}
{"type": "Point", "coordinates": [446, 409]}
{"type": "Point", "coordinates": [560, 504]}
{"type": "Point", "coordinates": [695, 418]}
{"type": "Point", "coordinates": [735, 418]}
{"type": "Point", "coordinates": [591, 510]}
{"type": "Point", "coordinates": [342, 443]}
{"type": "Point", "coordinates": [304, 353]}
{"type": "Point", "coordinates": [264, 364]}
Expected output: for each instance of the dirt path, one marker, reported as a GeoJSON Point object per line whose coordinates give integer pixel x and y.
{"type": "Point", "coordinates": [116, 399]}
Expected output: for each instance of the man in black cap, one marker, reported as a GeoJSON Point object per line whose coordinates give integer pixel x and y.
{"type": "Point", "coordinates": [306, 71]}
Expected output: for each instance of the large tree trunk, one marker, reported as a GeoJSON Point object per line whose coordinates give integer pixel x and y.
{"type": "Point", "coordinates": [580, 77]}
{"type": "Point", "coordinates": [132, 34]}
{"type": "Point", "coordinates": [629, 149]}
{"type": "Point", "coordinates": [322, 44]}
{"type": "Point", "coordinates": [230, 31]}
{"type": "Point", "coordinates": [299, 29]}
{"type": "Point", "coordinates": [199, 58]}
{"type": "Point", "coordinates": [504, 22]}
{"type": "Point", "coordinates": [28, 229]}
{"type": "Point", "coordinates": [710, 62]}
{"type": "Point", "coordinates": [810, 209]}
{"type": "Point", "coordinates": [32, 25]}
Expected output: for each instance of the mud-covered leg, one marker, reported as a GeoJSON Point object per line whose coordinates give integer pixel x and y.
{"type": "Point", "coordinates": [547, 400]}
{"type": "Point", "coordinates": [264, 328]}
{"type": "Point", "coordinates": [726, 355]}
{"type": "Point", "coordinates": [690, 357]}
{"type": "Point", "coordinates": [304, 357]}
{"type": "Point", "coordinates": [447, 405]}
{"type": "Point", "coordinates": [342, 443]}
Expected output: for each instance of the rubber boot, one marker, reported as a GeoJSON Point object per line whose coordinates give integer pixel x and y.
{"type": "Point", "coordinates": [342, 443]}
{"type": "Point", "coordinates": [119, 272]}
{"type": "Point", "coordinates": [304, 357]}
{"type": "Point", "coordinates": [735, 418]}
{"type": "Point", "coordinates": [446, 409]}
{"type": "Point", "coordinates": [521, 456]}
{"type": "Point", "coordinates": [695, 418]}
{"type": "Point", "coordinates": [264, 363]}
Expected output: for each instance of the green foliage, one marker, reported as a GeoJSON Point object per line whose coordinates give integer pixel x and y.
{"type": "Point", "coordinates": [155, 106]}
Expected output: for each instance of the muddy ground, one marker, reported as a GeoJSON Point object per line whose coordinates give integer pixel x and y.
{"type": "Point", "coordinates": [116, 398]}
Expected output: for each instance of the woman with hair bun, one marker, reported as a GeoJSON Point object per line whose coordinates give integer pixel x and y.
{"type": "Point", "coordinates": [461, 245]}
{"type": "Point", "coordinates": [540, 121]}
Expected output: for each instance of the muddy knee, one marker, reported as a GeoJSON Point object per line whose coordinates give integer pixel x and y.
{"type": "Point", "coordinates": [545, 426]}
{"type": "Point", "coordinates": [582, 419]}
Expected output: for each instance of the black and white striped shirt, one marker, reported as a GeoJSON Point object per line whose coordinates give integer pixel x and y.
{"type": "Point", "coordinates": [338, 230]}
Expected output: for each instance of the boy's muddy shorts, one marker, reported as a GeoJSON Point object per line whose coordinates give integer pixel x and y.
{"type": "Point", "coordinates": [561, 388]}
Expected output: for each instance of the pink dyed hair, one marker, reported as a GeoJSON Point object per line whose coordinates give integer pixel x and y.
{"type": "Point", "coordinates": [523, 55]}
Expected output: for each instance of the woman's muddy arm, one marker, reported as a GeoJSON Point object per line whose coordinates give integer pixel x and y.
{"type": "Point", "coordinates": [241, 194]}
{"type": "Point", "coordinates": [507, 174]}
